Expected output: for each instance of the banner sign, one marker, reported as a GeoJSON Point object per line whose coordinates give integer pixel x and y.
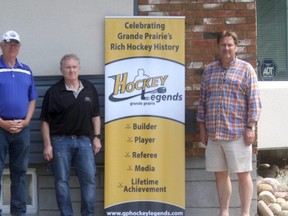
{"type": "Point", "coordinates": [144, 116]}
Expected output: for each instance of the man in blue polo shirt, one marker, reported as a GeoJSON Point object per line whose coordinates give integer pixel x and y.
{"type": "Point", "coordinates": [18, 97]}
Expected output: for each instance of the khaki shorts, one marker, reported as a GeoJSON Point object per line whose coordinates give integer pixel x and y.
{"type": "Point", "coordinates": [233, 156]}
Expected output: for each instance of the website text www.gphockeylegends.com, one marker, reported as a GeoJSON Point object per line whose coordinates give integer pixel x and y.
{"type": "Point", "coordinates": [143, 213]}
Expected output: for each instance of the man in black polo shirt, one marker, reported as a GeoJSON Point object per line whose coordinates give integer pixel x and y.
{"type": "Point", "coordinates": [70, 117]}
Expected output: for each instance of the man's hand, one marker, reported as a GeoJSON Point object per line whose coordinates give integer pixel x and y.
{"type": "Point", "coordinates": [48, 152]}
{"type": "Point", "coordinates": [96, 145]}
{"type": "Point", "coordinates": [14, 126]}
{"type": "Point", "coordinates": [203, 134]}
{"type": "Point", "coordinates": [249, 136]}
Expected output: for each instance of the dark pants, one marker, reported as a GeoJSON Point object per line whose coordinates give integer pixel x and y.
{"type": "Point", "coordinates": [76, 152]}
{"type": "Point", "coordinates": [18, 147]}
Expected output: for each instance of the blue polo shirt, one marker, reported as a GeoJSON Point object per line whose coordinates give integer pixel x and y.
{"type": "Point", "coordinates": [17, 89]}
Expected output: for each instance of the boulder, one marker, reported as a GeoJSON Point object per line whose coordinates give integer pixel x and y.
{"type": "Point", "coordinates": [284, 205]}
{"type": "Point", "coordinates": [267, 197]}
{"type": "Point", "coordinates": [276, 169]}
{"type": "Point", "coordinates": [264, 187]}
{"type": "Point", "coordinates": [263, 209]}
{"type": "Point", "coordinates": [280, 200]}
{"type": "Point", "coordinates": [275, 208]}
{"type": "Point", "coordinates": [279, 194]}
{"type": "Point", "coordinates": [267, 173]}
{"type": "Point", "coordinates": [273, 182]}
{"type": "Point", "coordinates": [283, 213]}
{"type": "Point", "coordinates": [259, 179]}
{"type": "Point", "coordinates": [263, 166]}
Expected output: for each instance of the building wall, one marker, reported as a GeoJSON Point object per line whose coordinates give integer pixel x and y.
{"type": "Point", "coordinates": [204, 19]}
{"type": "Point", "coordinates": [47, 205]}
{"type": "Point", "coordinates": [76, 27]}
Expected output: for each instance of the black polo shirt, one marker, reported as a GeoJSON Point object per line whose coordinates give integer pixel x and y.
{"type": "Point", "coordinates": [68, 115]}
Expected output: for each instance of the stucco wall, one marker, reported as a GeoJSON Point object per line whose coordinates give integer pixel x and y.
{"type": "Point", "coordinates": [50, 29]}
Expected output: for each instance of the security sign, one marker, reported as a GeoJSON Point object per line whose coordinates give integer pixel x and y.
{"type": "Point", "coordinates": [268, 70]}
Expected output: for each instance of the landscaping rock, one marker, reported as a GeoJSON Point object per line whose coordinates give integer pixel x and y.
{"type": "Point", "coordinates": [273, 182]}
{"type": "Point", "coordinates": [283, 213]}
{"type": "Point", "coordinates": [272, 191]}
{"type": "Point", "coordinates": [267, 197]}
{"type": "Point", "coordinates": [259, 179]}
{"type": "Point", "coordinates": [263, 209]}
{"type": "Point", "coordinates": [275, 208]}
{"type": "Point", "coordinates": [279, 194]}
{"type": "Point", "coordinates": [267, 171]}
{"type": "Point", "coordinates": [280, 200]}
{"type": "Point", "coordinates": [284, 205]}
{"type": "Point", "coordinates": [264, 187]}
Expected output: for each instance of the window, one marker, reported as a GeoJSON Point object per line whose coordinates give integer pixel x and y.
{"type": "Point", "coordinates": [272, 40]}
{"type": "Point", "coordinates": [31, 191]}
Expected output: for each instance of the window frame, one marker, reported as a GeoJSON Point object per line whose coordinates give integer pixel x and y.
{"type": "Point", "coordinates": [31, 209]}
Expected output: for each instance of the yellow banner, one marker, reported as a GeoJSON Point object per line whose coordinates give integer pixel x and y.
{"type": "Point", "coordinates": [157, 37]}
{"type": "Point", "coordinates": [144, 115]}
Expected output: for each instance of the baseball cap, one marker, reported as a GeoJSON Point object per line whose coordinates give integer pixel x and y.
{"type": "Point", "coordinates": [10, 35]}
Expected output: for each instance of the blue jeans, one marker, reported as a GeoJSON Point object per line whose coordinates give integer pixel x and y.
{"type": "Point", "coordinates": [18, 147]}
{"type": "Point", "coordinates": [76, 152]}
